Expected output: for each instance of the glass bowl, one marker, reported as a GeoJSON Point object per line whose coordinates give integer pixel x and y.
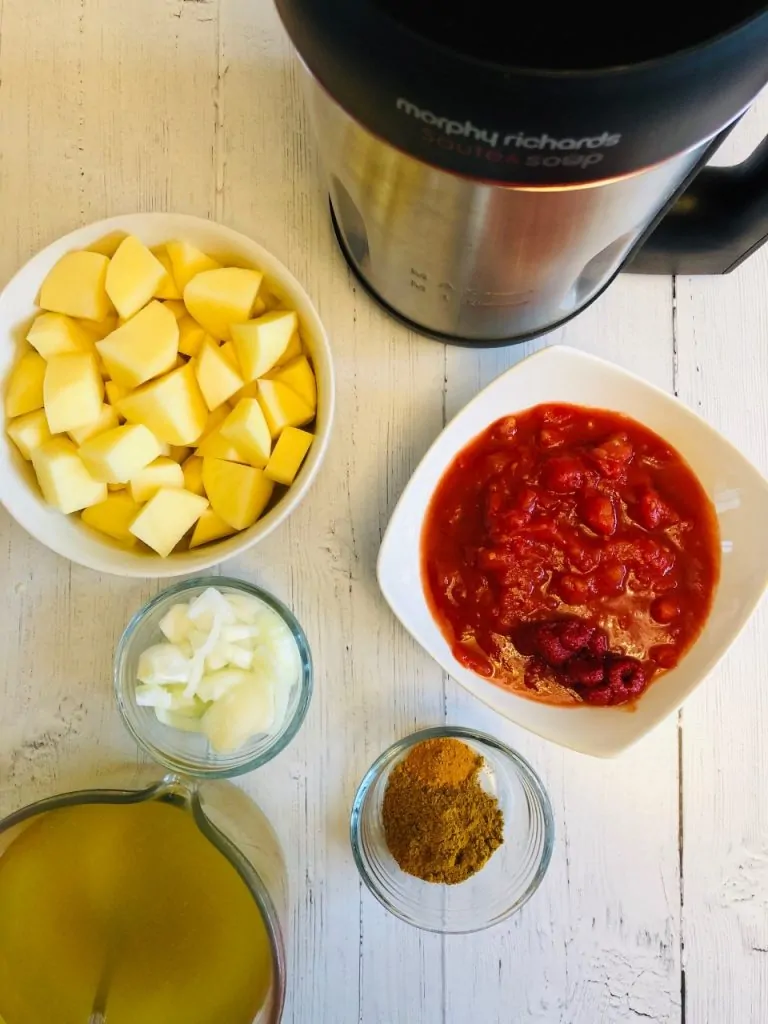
{"type": "Point", "coordinates": [502, 886]}
{"type": "Point", "coordinates": [189, 753]}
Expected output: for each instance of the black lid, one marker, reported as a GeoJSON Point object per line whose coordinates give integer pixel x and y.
{"type": "Point", "coordinates": [545, 96]}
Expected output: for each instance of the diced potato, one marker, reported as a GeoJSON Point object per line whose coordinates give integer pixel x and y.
{"type": "Point", "coordinates": [75, 286]}
{"type": "Point", "coordinates": [215, 418]}
{"type": "Point", "coordinates": [216, 374]}
{"type": "Point", "coordinates": [282, 407]}
{"type": "Point", "coordinates": [166, 517]}
{"type": "Point", "coordinates": [117, 455]}
{"type": "Point", "coordinates": [167, 288]}
{"type": "Point", "coordinates": [219, 298]}
{"type": "Point", "coordinates": [163, 472]}
{"type": "Point", "coordinates": [116, 487]}
{"type": "Point", "coordinates": [269, 299]}
{"type": "Point", "coordinates": [98, 329]}
{"type": "Point", "coordinates": [177, 307]}
{"type": "Point", "coordinates": [260, 343]}
{"type": "Point", "coordinates": [142, 348]}
{"type": "Point", "coordinates": [108, 245]}
{"type": "Point", "coordinates": [192, 469]}
{"type": "Point", "coordinates": [114, 392]}
{"type": "Point", "coordinates": [73, 391]}
{"type": "Point", "coordinates": [284, 462]}
{"type": "Point", "coordinates": [248, 391]}
{"type": "Point", "coordinates": [298, 375]}
{"type": "Point", "coordinates": [237, 493]}
{"type": "Point", "coordinates": [209, 527]}
{"type": "Point", "coordinates": [216, 447]}
{"type": "Point", "coordinates": [106, 420]}
{"type": "Point", "coordinates": [113, 516]}
{"type": "Point", "coordinates": [246, 428]}
{"type": "Point", "coordinates": [25, 385]}
{"type": "Point", "coordinates": [179, 452]}
{"type": "Point", "coordinates": [65, 482]}
{"type": "Point", "coordinates": [171, 406]}
{"type": "Point", "coordinates": [293, 350]}
{"type": "Point", "coordinates": [133, 276]}
{"type": "Point", "coordinates": [192, 336]}
{"type": "Point", "coordinates": [54, 334]}
{"type": "Point", "coordinates": [30, 431]}
{"type": "Point", "coordinates": [188, 261]}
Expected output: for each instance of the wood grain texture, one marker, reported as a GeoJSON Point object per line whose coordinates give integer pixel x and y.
{"type": "Point", "coordinates": [722, 369]}
{"type": "Point", "coordinates": [193, 105]}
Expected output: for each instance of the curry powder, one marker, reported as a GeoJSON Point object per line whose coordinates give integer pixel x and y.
{"type": "Point", "coordinates": [440, 824]}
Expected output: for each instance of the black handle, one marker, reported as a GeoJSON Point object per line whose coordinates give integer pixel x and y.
{"type": "Point", "coordinates": [714, 225]}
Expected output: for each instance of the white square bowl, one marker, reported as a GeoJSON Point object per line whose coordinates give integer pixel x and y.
{"type": "Point", "coordinates": [738, 491]}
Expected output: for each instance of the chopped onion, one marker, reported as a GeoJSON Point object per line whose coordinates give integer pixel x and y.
{"type": "Point", "coordinates": [227, 671]}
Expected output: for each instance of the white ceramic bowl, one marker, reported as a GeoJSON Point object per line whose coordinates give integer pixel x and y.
{"type": "Point", "coordinates": [66, 535]}
{"type": "Point", "coordinates": [738, 491]}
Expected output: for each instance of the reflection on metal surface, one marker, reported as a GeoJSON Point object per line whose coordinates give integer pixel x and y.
{"type": "Point", "coordinates": [471, 260]}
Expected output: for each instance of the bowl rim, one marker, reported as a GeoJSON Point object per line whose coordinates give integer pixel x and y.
{"type": "Point", "coordinates": [193, 769]}
{"type": "Point", "coordinates": [385, 761]}
{"type": "Point", "coordinates": [150, 565]}
{"type": "Point", "coordinates": [562, 354]}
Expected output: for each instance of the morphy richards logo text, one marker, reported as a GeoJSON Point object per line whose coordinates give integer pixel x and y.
{"type": "Point", "coordinates": [512, 140]}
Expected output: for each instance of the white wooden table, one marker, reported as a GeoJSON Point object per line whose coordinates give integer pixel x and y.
{"type": "Point", "coordinates": [655, 907]}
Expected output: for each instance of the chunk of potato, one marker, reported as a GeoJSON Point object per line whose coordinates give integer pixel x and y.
{"type": "Point", "coordinates": [54, 334]}
{"type": "Point", "coordinates": [24, 392]}
{"type": "Point", "coordinates": [177, 307]}
{"type": "Point", "coordinates": [237, 493]}
{"type": "Point", "coordinates": [209, 527]}
{"type": "Point", "coordinates": [192, 336]}
{"type": "Point", "coordinates": [171, 406]}
{"type": "Point", "coordinates": [219, 298]}
{"type": "Point", "coordinates": [106, 420]}
{"type": "Point", "coordinates": [282, 407]}
{"type": "Point", "coordinates": [193, 474]}
{"type": "Point", "coordinates": [65, 482]}
{"type": "Point", "coordinates": [299, 376]}
{"type": "Point", "coordinates": [108, 244]}
{"type": "Point", "coordinates": [117, 455]}
{"type": "Point", "coordinates": [167, 289]}
{"type": "Point", "coordinates": [166, 517]}
{"type": "Point", "coordinates": [163, 472]}
{"type": "Point", "coordinates": [73, 391]}
{"type": "Point", "coordinates": [288, 455]}
{"type": "Point", "coordinates": [133, 276]}
{"type": "Point", "coordinates": [217, 374]}
{"type": "Point", "coordinates": [179, 452]}
{"type": "Point", "coordinates": [30, 431]}
{"type": "Point", "coordinates": [215, 418]}
{"type": "Point", "coordinates": [76, 286]}
{"type": "Point", "coordinates": [261, 342]}
{"type": "Point", "coordinates": [98, 329]}
{"type": "Point", "coordinates": [187, 261]}
{"type": "Point", "coordinates": [113, 516]}
{"type": "Point", "coordinates": [246, 428]}
{"type": "Point", "coordinates": [114, 392]}
{"type": "Point", "coordinates": [293, 350]}
{"type": "Point", "coordinates": [217, 447]}
{"type": "Point", "coordinates": [142, 348]}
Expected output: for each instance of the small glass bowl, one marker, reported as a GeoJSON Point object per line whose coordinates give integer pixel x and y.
{"type": "Point", "coordinates": [189, 753]}
{"type": "Point", "coordinates": [508, 879]}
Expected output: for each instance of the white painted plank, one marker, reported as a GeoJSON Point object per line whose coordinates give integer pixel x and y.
{"type": "Point", "coordinates": [93, 125]}
{"type": "Point", "coordinates": [350, 961]}
{"type": "Point", "coordinates": [722, 342]}
{"type": "Point", "coordinates": [600, 941]}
